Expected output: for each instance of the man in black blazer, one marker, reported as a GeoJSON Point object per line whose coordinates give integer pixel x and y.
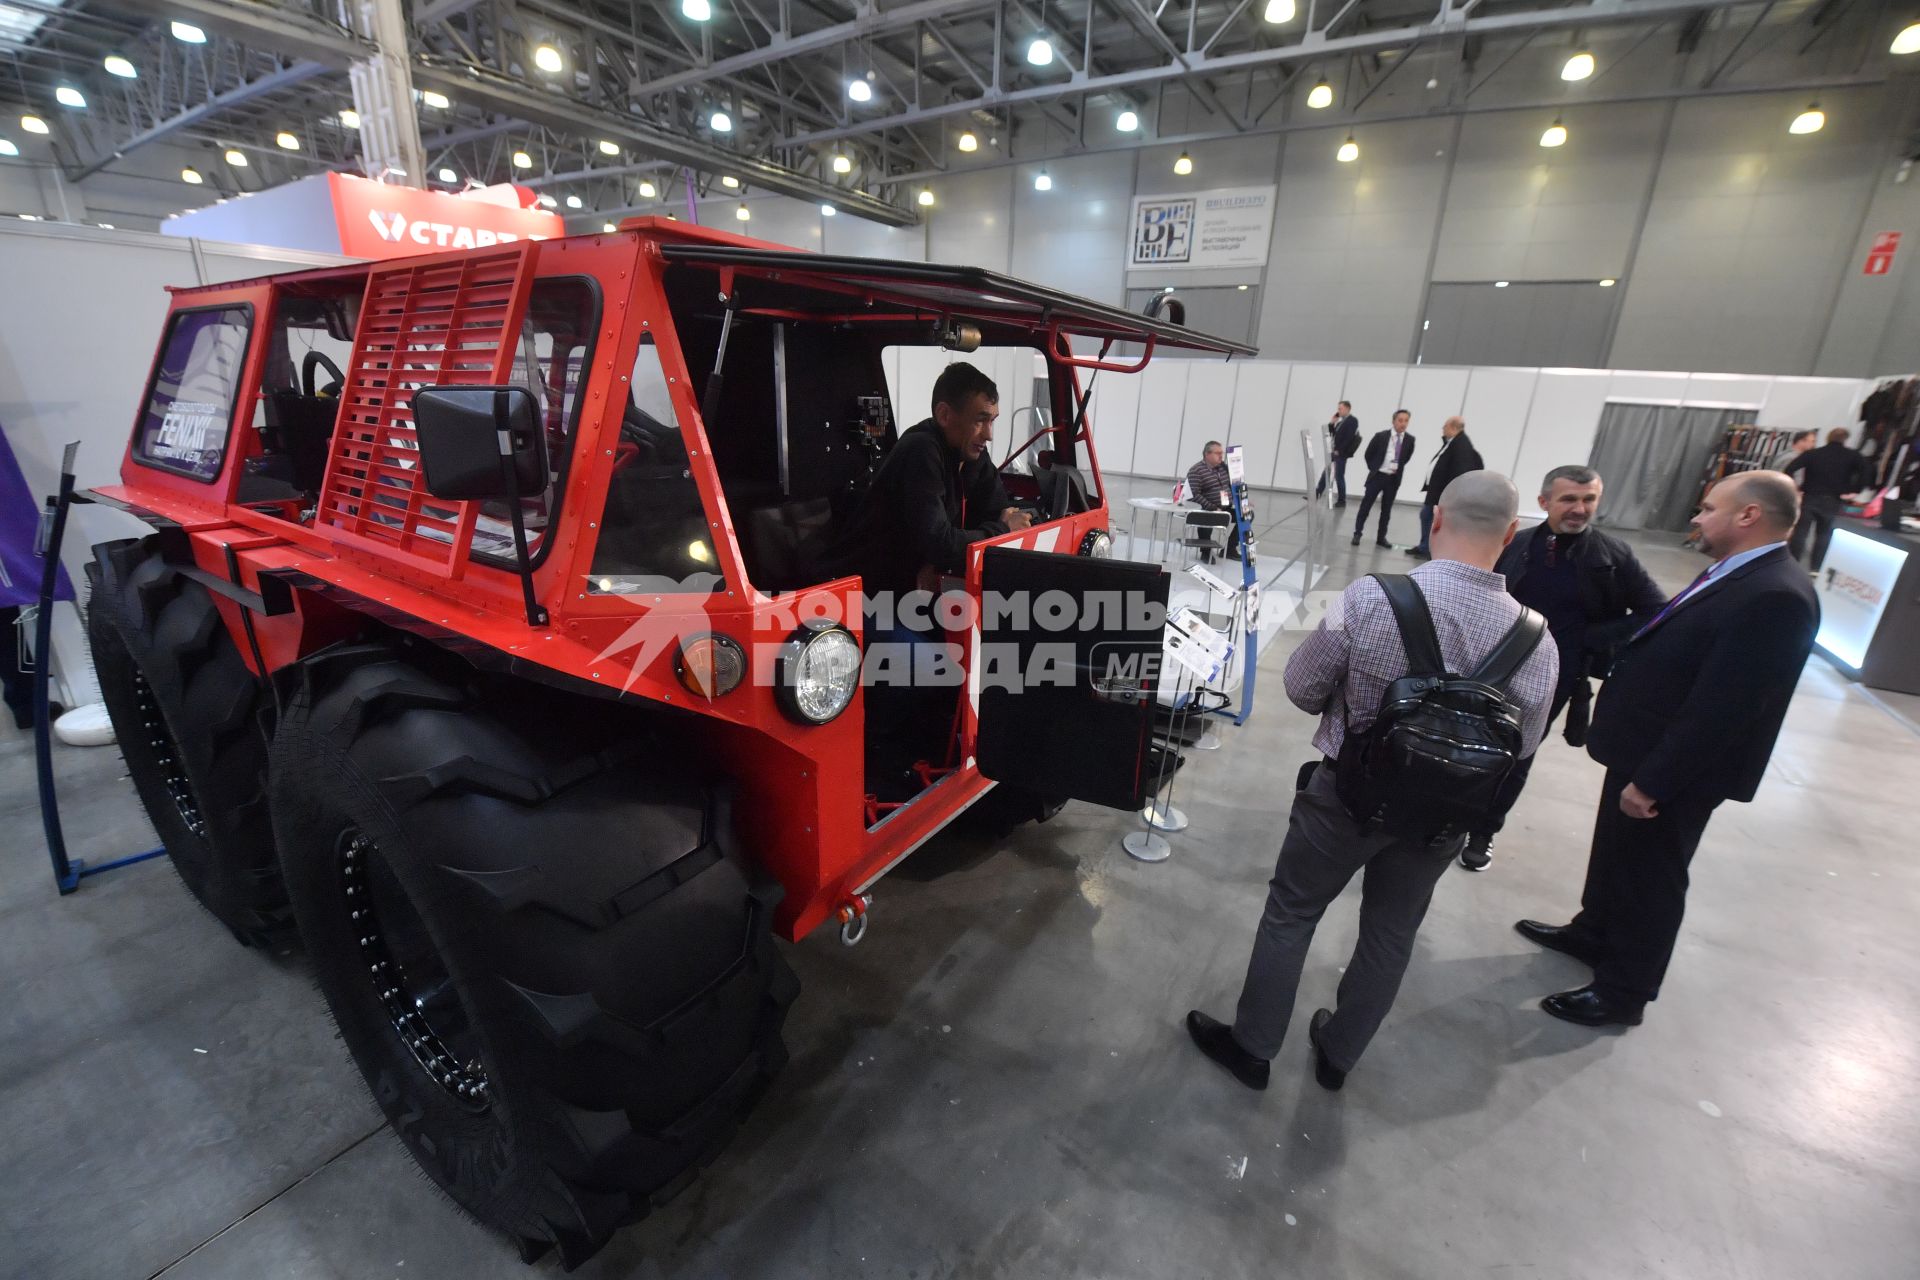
{"type": "Point", "coordinates": [1457, 456]}
{"type": "Point", "coordinates": [1387, 456]}
{"type": "Point", "coordinates": [1343, 441]}
{"type": "Point", "coordinates": [1686, 719]}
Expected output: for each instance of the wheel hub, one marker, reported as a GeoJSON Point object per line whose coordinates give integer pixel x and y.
{"type": "Point", "coordinates": [416, 993]}
{"type": "Point", "coordinates": [172, 772]}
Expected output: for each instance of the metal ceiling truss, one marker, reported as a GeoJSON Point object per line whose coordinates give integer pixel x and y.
{"type": "Point", "coordinates": [637, 75]}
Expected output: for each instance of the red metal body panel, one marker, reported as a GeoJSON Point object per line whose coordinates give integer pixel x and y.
{"type": "Point", "coordinates": [806, 823]}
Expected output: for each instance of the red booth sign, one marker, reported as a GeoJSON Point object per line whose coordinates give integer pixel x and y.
{"type": "Point", "coordinates": [1880, 253]}
{"type": "Point", "coordinates": [381, 221]}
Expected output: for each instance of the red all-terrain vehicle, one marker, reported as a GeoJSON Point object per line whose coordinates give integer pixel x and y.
{"type": "Point", "coordinates": [530, 712]}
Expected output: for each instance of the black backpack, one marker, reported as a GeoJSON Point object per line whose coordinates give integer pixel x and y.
{"type": "Point", "coordinates": [1435, 762]}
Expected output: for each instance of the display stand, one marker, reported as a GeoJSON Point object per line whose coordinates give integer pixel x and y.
{"type": "Point", "coordinates": [67, 872]}
{"type": "Point", "coordinates": [1199, 654]}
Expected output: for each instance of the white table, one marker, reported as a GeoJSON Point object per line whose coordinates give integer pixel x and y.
{"type": "Point", "coordinates": [1155, 508]}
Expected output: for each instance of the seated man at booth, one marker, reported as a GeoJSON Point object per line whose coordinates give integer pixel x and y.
{"type": "Point", "coordinates": [937, 493]}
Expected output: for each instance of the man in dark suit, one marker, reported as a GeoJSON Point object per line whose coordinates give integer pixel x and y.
{"type": "Point", "coordinates": [1686, 719]}
{"type": "Point", "coordinates": [1387, 456]}
{"type": "Point", "coordinates": [1457, 456]}
{"type": "Point", "coordinates": [1343, 441]}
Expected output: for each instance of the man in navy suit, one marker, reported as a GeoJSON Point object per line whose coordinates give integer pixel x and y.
{"type": "Point", "coordinates": [1686, 719]}
{"type": "Point", "coordinates": [1387, 456]}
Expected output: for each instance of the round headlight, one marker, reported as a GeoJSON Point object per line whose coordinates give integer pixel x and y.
{"type": "Point", "coordinates": [1098, 542]}
{"type": "Point", "coordinates": [819, 670]}
{"type": "Point", "coordinates": [710, 665]}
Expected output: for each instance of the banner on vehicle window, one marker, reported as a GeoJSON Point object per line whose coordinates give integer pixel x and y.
{"type": "Point", "coordinates": [1227, 227]}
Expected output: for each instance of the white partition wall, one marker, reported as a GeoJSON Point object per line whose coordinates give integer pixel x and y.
{"type": "Point", "coordinates": [1562, 420]}
{"type": "Point", "coordinates": [1208, 414]}
{"type": "Point", "coordinates": [1812, 403]}
{"type": "Point", "coordinates": [1114, 410]}
{"type": "Point", "coordinates": [1259, 401]}
{"type": "Point", "coordinates": [1495, 406]}
{"type": "Point", "coordinates": [1433, 394]}
{"type": "Point", "coordinates": [1163, 403]}
{"type": "Point", "coordinates": [1376, 390]}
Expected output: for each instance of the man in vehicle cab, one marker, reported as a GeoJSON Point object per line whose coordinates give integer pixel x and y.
{"type": "Point", "coordinates": [937, 493]}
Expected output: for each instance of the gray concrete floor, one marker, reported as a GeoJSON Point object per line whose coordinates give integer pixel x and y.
{"type": "Point", "coordinates": [996, 1082]}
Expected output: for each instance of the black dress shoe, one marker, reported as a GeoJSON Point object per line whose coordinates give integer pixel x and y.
{"type": "Point", "coordinates": [1356, 537]}
{"type": "Point", "coordinates": [1560, 938]}
{"type": "Point", "coordinates": [1340, 504]}
{"type": "Point", "coordinates": [1590, 1008]}
{"type": "Point", "coordinates": [1329, 1076]}
{"type": "Point", "coordinates": [1382, 542]}
{"type": "Point", "coordinates": [1215, 1039]}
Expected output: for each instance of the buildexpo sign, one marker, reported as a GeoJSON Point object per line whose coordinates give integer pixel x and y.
{"type": "Point", "coordinates": [381, 221]}
{"type": "Point", "coordinates": [1228, 227]}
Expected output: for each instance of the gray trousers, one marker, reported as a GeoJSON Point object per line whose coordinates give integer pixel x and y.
{"type": "Point", "coordinates": [1323, 849]}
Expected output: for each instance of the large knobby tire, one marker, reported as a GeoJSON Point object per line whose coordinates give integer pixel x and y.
{"type": "Point", "coordinates": [189, 719]}
{"type": "Point", "coordinates": [538, 940]}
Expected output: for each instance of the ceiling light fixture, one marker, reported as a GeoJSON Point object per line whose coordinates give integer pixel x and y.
{"type": "Point", "coordinates": [435, 99]}
{"type": "Point", "coordinates": [1349, 151]}
{"type": "Point", "coordinates": [7, 148]}
{"type": "Point", "coordinates": [33, 124]}
{"type": "Point", "coordinates": [547, 59]}
{"type": "Point", "coordinates": [743, 213]}
{"type": "Point", "coordinates": [828, 211]}
{"type": "Point", "coordinates": [1243, 287]}
{"type": "Point", "coordinates": [720, 122]}
{"type": "Point", "coordinates": [1556, 134]}
{"type": "Point", "coordinates": [647, 190]}
{"type": "Point", "coordinates": [68, 96]}
{"type": "Point", "coordinates": [1501, 284]}
{"type": "Point", "coordinates": [1184, 165]}
{"type": "Point", "coordinates": [237, 158]}
{"type": "Point", "coordinates": [609, 148]}
{"type": "Point", "coordinates": [859, 90]}
{"type": "Point", "coordinates": [548, 202]}
{"type": "Point", "coordinates": [349, 119]}
{"type": "Point", "coordinates": [1578, 67]}
{"type": "Point", "coordinates": [187, 33]}
{"type": "Point", "coordinates": [1608, 283]}
{"type": "Point", "coordinates": [696, 10]}
{"type": "Point", "coordinates": [119, 66]}
{"type": "Point", "coordinates": [1040, 52]}
{"type": "Point", "coordinates": [968, 142]}
{"type": "Point", "coordinates": [191, 177]}
{"type": "Point", "coordinates": [521, 160]}
{"type": "Point", "coordinates": [448, 175]}
{"type": "Point", "coordinates": [1908, 41]}
{"type": "Point", "coordinates": [1278, 11]}
{"type": "Point", "coordinates": [842, 163]}
{"type": "Point", "coordinates": [608, 226]}
{"type": "Point", "coordinates": [1320, 97]}
{"type": "Point", "coordinates": [730, 182]}
{"type": "Point", "coordinates": [926, 197]}
{"type": "Point", "coordinates": [1812, 120]}
{"type": "Point", "coordinates": [1041, 182]}
{"type": "Point", "coordinates": [286, 141]}
{"type": "Point", "coordinates": [1127, 122]}
{"type": "Point", "coordinates": [573, 202]}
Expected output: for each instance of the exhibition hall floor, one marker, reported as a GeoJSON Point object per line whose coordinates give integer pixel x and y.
{"type": "Point", "coordinates": [996, 1081]}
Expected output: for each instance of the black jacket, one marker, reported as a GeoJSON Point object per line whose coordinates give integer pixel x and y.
{"type": "Point", "coordinates": [1620, 596]}
{"type": "Point", "coordinates": [1830, 470]}
{"type": "Point", "coordinates": [1692, 707]}
{"type": "Point", "coordinates": [1456, 458]}
{"type": "Point", "coordinates": [1377, 450]}
{"type": "Point", "coordinates": [924, 507]}
{"type": "Point", "coordinates": [1346, 436]}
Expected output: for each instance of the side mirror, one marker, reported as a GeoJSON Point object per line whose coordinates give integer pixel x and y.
{"type": "Point", "coordinates": [464, 433]}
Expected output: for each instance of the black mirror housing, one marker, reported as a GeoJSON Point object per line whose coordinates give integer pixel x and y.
{"type": "Point", "coordinates": [458, 430]}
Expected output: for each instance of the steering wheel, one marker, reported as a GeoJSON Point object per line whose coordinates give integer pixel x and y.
{"type": "Point", "coordinates": [306, 371]}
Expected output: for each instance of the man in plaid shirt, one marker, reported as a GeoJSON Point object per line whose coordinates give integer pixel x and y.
{"type": "Point", "coordinates": [1339, 674]}
{"type": "Point", "coordinates": [1210, 485]}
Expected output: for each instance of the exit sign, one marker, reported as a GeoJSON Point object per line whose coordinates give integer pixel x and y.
{"type": "Point", "coordinates": [1880, 255]}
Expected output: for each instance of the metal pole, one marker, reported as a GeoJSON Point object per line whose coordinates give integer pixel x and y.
{"type": "Point", "coordinates": [53, 528]}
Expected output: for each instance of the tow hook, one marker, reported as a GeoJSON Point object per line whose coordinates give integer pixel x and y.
{"type": "Point", "coordinates": [853, 918]}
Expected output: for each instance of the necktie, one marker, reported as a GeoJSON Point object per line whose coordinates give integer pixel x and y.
{"type": "Point", "coordinates": [1673, 604]}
